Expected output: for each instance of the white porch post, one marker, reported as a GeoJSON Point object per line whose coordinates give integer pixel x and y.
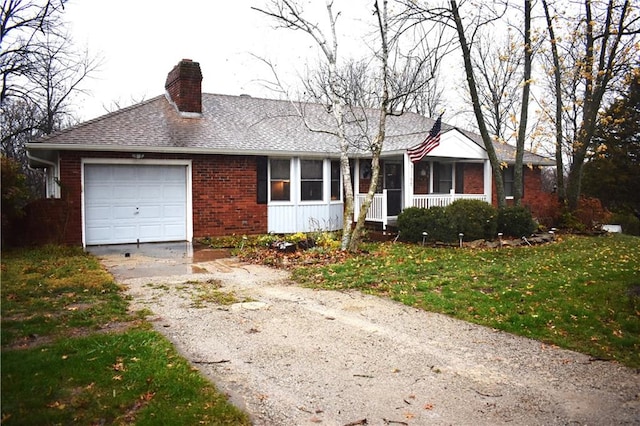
{"type": "Point", "coordinates": [431, 163]}
{"type": "Point", "coordinates": [488, 180]}
{"type": "Point", "coordinates": [356, 178]}
{"type": "Point", "coordinates": [326, 180]}
{"type": "Point", "coordinates": [407, 185]}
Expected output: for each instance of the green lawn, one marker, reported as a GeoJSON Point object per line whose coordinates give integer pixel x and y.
{"type": "Point", "coordinates": [62, 365]}
{"type": "Point", "coordinates": [580, 293]}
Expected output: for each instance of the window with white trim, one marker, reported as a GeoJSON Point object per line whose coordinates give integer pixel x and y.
{"type": "Point", "coordinates": [280, 179]}
{"type": "Point", "coordinates": [311, 186]}
{"type": "Point", "coordinates": [335, 180]}
{"type": "Point", "coordinates": [443, 179]}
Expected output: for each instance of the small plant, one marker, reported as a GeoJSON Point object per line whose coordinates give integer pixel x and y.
{"type": "Point", "coordinates": [515, 221]}
{"type": "Point", "coordinates": [328, 241]}
{"type": "Point", "coordinates": [210, 292]}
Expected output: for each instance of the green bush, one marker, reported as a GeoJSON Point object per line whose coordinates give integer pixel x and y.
{"type": "Point", "coordinates": [515, 221]}
{"type": "Point", "coordinates": [628, 221]}
{"type": "Point", "coordinates": [476, 219]}
{"type": "Point", "coordinates": [439, 225]}
{"type": "Point", "coordinates": [412, 222]}
{"type": "Point", "coordinates": [571, 223]}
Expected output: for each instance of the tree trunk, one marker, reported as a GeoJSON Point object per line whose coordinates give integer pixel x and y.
{"type": "Point", "coordinates": [526, 89]}
{"type": "Point", "coordinates": [379, 139]}
{"type": "Point", "coordinates": [477, 108]}
{"type": "Point", "coordinates": [557, 77]}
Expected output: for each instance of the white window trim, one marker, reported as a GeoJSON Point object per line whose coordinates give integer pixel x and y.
{"type": "Point", "coordinates": [325, 195]}
{"type": "Point", "coordinates": [328, 162]}
{"type": "Point", "coordinates": [292, 184]}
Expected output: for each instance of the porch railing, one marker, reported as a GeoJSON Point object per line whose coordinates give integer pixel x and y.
{"type": "Point", "coordinates": [377, 210]}
{"type": "Point", "coordinates": [442, 200]}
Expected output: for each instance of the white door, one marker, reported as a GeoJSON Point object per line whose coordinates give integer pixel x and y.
{"type": "Point", "coordinates": [135, 203]}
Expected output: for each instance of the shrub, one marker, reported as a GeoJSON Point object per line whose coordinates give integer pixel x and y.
{"type": "Point", "coordinates": [15, 193]}
{"type": "Point", "coordinates": [439, 225]}
{"type": "Point", "coordinates": [515, 221]}
{"type": "Point", "coordinates": [412, 222]}
{"type": "Point", "coordinates": [546, 210]}
{"type": "Point", "coordinates": [570, 222]}
{"type": "Point", "coordinates": [591, 213]}
{"type": "Point", "coordinates": [474, 218]}
{"type": "Point", "coordinates": [628, 221]}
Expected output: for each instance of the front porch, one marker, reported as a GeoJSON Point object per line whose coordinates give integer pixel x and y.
{"type": "Point", "coordinates": [432, 182]}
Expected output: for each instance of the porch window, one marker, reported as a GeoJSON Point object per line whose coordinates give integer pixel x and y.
{"type": "Point", "coordinates": [335, 180]}
{"type": "Point", "coordinates": [280, 180]}
{"type": "Point", "coordinates": [311, 180]}
{"type": "Point", "coordinates": [443, 179]}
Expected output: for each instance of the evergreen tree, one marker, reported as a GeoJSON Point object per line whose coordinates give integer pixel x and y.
{"type": "Point", "coordinates": [612, 173]}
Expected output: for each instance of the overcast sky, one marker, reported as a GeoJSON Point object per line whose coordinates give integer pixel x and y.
{"type": "Point", "coordinates": [140, 41]}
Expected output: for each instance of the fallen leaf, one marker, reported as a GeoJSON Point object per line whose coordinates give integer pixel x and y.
{"type": "Point", "coordinates": [147, 396]}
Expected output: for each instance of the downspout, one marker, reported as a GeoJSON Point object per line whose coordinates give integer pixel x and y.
{"type": "Point", "coordinates": [55, 189]}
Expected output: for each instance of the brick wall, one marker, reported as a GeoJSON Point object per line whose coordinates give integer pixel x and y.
{"type": "Point", "coordinates": [223, 196]}
{"type": "Point", "coordinates": [534, 196]}
{"type": "Point", "coordinates": [473, 178]}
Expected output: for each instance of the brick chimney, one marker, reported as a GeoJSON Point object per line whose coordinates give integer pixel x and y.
{"type": "Point", "coordinates": [184, 86]}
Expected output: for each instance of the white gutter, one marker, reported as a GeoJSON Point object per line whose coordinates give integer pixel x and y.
{"type": "Point", "coordinates": [43, 146]}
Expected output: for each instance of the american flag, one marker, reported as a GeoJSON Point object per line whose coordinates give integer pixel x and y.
{"type": "Point", "coordinates": [433, 140]}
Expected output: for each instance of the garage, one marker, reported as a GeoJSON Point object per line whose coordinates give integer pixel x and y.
{"type": "Point", "coordinates": [130, 203]}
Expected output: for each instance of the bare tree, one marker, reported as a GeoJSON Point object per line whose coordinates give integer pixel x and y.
{"type": "Point", "coordinates": [350, 90]}
{"type": "Point", "coordinates": [41, 72]}
{"type": "Point", "coordinates": [22, 25]}
{"type": "Point", "coordinates": [598, 49]}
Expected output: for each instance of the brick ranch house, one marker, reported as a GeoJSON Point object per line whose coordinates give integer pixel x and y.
{"type": "Point", "coordinates": [188, 164]}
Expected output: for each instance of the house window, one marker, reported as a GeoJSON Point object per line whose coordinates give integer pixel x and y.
{"type": "Point", "coordinates": [508, 180]}
{"type": "Point", "coordinates": [280, 180]}
{"type": "Point", "coordinates": [311, 180]}
{"type": "Point", "coordinates": [443, 179]}
{"type": "Point", "coordinates": [335, 180]}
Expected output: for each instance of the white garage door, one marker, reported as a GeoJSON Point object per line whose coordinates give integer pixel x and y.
{"type": "Point", "coordinates": [127, 203]}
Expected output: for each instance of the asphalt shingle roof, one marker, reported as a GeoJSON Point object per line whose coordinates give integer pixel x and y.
{"type": "Point", "coordinates": [242, 124]}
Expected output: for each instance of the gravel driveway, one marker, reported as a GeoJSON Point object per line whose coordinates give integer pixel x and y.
{"type": "Point", "coordinates": [295, 356]}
